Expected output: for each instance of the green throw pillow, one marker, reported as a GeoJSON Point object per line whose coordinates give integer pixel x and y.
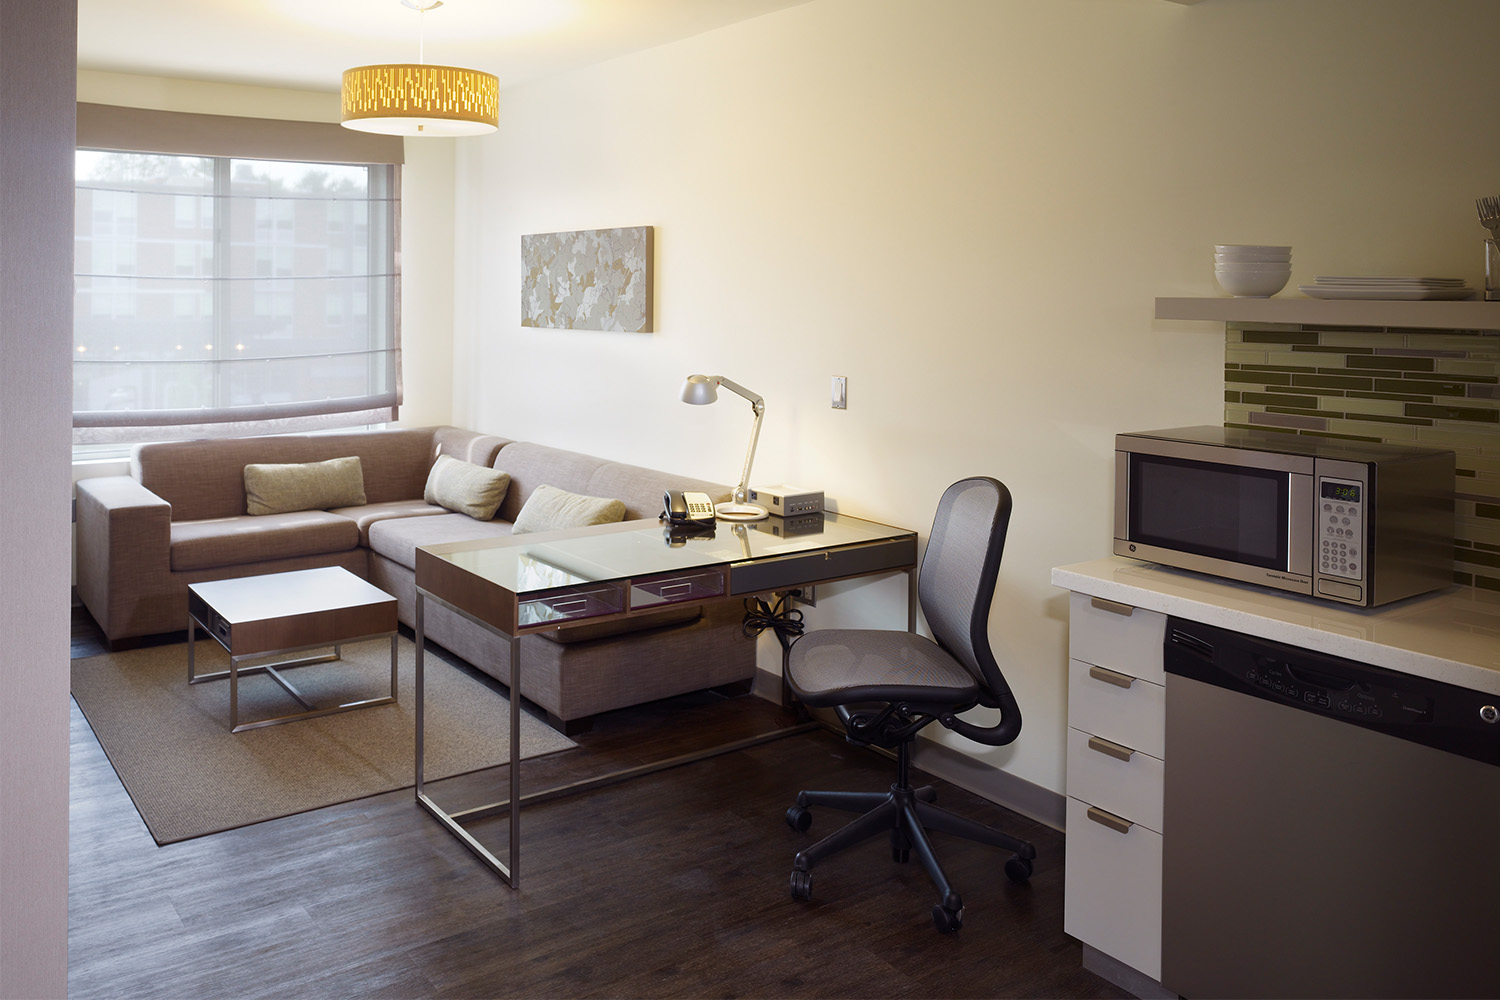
{"type": "Point", "coordinates": [550, 508]}
{"type": "Point", "coordinates": [280, 489]}
{"type": "Point", "coordinates": [466, 488]}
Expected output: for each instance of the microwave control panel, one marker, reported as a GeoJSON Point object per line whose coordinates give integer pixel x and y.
{"type": "Point", "coordinates": [1341, 534]}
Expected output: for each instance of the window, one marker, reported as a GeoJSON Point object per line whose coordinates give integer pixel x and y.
{"type": "Point", "coordinates": [212, 291]}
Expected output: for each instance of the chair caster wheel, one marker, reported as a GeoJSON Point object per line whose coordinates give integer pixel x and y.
{"type": "Point", "coordinates": [1018, 869]}
{"type": "Point", "coordinates": [798, 819]}
{"type": "Point", "coordinates": [801, 885]}
{"type": "Point", "coordinates": [947, 921]}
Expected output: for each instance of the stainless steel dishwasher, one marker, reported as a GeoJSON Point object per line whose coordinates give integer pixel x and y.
{"type": "Point", "coordinates": [1331, 828]}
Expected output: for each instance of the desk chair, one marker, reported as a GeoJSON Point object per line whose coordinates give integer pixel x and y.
{"type": "Point", "coordinates": [885, 686]}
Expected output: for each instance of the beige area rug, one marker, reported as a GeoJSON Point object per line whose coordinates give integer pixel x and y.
{"type": "Point", "coordinates": [170, 743]}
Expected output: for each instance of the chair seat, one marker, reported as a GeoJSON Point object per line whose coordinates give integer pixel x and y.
{"type": "Point", "coordinates": [846, 666]}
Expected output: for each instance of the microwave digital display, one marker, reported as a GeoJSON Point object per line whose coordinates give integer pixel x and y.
{"type": "Point", "coordinates": [1218, 511]}
{"type": "Point", "coordinates": [1346, 492]}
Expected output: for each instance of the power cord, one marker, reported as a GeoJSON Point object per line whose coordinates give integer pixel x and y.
{"type": "Point", "coordinates": [782, 618]}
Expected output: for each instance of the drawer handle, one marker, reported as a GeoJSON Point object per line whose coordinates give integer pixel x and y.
{"type": "Point", "coordinates": [1115, 609]}
{"type": "Point", "coordinates": [1110, 749]}
{"type": "Point", "coordinates": [1109, 819]}
{"type": "Point", "coordinates": [1111, 677]}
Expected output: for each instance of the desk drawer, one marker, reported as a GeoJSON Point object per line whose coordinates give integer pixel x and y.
{"type": "Point", "coordinates": [571, 603]}
{"type": "Point", "coordinates": [1118, 707]}
{"type": "Point", "coordinates": [676, 588]}
{"type": "Point", "coordinates": [1117, 636]}
{"type": "Point", "coordinates": [796, 570]}
{"type": "Point", "coordinates": [1125, 781]}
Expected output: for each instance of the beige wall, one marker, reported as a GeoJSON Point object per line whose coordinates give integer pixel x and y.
{"type": "Point", "coordinates": [966, 207]}
{"type": "Point", "coordinates": [426, 232]}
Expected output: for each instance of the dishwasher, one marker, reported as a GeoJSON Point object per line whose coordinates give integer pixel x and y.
{"type": "Point", "coordinates": [1330, 828]}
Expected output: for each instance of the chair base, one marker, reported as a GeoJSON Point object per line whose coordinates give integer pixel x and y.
{"type": "Point", "coordinates": [906, 814]}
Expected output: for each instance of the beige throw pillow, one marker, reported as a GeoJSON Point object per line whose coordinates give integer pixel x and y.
{"type": "Point", "coordinates": [550, 508]}
{"type": "Point", "coordinates": [466, 488]}
{"type": "Point", "coordinates": [280, 489]}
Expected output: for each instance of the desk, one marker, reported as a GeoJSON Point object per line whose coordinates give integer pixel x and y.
{"type": "Point", "coordinates": [529, 583]}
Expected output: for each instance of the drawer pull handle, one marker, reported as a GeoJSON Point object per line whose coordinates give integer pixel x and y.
{"type": "Point", "coordinates": [1110, 749]}
{"type": "Point", "coordinates": [1111, 677]}
{"type": "Point", "coordinates": [1115, 609]}
{"type": "Point", "coordinates": [1109, 819]}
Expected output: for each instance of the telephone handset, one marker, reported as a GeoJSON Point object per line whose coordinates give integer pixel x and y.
{"type": "Point", "coordinates": [680, 506]}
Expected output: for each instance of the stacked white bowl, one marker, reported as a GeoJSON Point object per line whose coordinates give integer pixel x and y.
{"type": "Point", "coordinates": [1252, 272]}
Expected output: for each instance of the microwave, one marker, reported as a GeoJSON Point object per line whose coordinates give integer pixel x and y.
{"type": "Point", "coordinates": [1353, 522]}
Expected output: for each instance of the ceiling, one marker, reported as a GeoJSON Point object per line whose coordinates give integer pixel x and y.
{"type": "Point", "coordinates": [307, 44]}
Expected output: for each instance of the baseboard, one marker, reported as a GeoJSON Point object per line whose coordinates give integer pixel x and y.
{"type": "Point", "coordinates": [969, 773]}
{"type": "Point", "coordinates": [1000, 787]}
{"type": "Point", "coordinates": [1132, 981]}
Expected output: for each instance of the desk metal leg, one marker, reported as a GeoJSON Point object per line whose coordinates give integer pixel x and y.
{"type": "Point", "coordinates": [510, 872]}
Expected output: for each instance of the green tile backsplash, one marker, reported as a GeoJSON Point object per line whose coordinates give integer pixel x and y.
{"type": "Point", "coordinates": [1439, 388]}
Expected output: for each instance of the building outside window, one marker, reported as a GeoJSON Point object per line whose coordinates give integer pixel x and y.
{"type": "Point", "coordinates": [231, 295]}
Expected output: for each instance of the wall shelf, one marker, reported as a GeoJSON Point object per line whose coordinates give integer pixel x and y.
{"type": "Point", "coordinates": [1468, 314]}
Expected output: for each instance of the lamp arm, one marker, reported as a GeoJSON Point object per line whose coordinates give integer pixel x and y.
{"type": "Point", "coordinates": [735, 387]}
{"type": "Point", "coordinates": [742, 491]}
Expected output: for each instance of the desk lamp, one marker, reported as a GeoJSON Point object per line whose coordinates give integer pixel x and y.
{"type": "Point", "coordinates": [702, 389]}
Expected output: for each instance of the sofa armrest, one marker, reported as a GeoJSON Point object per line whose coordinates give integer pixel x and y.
{"type": "Point", "coordinates": [123, 545]}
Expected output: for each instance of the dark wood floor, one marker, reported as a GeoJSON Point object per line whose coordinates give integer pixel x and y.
{"type": "Point", "coordinates": [672, 885]}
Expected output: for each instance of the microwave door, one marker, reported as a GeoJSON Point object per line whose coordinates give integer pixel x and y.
{"type": "Point", "coordinates": [1245, 522]}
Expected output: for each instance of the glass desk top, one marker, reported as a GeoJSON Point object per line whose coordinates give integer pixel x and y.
{"type": "Point", "coordinates": [641, 548]}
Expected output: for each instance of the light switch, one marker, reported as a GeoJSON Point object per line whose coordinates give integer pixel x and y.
{"type": "Point", "coordinates": [840, 392]}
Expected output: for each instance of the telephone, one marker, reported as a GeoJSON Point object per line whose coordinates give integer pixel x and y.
{"type": "Point", "coordinates": [679, 506]}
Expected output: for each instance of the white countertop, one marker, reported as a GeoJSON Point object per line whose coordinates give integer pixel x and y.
{"type": "Point", "coordinates": [1452, 635]}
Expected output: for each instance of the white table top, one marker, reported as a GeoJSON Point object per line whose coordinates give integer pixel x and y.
{"type": "Point", "coordinates": [1451, 635]}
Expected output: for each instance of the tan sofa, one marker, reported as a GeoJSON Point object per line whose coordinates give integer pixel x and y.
{"type": "Point", "coordinates": [180, 518]}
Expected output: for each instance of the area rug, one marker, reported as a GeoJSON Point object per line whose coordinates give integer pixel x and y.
{"type": "Point", "coordinates": [188, 775]}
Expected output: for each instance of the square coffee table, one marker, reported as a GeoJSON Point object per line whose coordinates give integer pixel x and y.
{"type": "Point", "coordinates": [254, 617]}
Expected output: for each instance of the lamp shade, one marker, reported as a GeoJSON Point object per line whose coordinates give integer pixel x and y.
{"type": "Point", "coordinates": [418, 99]}
{"type": "Point", "coordinates": [700, 389]}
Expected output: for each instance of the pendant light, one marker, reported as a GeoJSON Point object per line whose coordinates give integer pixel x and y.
{"type": "Point", "coordinates": [418, 99]}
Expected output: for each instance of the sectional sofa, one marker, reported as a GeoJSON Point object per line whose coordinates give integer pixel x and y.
{"type": "Point", "coordinates": [184, 515]}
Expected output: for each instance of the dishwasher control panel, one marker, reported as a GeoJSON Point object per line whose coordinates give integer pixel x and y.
{"type": "Point", "coordinates": [1360, 699]}
{"type": "Point", "coordinates": [1417, 709]}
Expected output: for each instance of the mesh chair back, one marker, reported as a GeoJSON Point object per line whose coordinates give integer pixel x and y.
{"type": "Point", "coordinates": [957, 579]}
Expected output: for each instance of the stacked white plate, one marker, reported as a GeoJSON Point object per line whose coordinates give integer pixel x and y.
{"type": "Point", "coordinates": [1252, 271]}
{"type": "Point", "coordinates": [1376, 287]}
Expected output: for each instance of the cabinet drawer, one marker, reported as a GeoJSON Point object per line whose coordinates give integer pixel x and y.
{"type": "Point", "coordinates": [1099, 633]}
{"type": "Point", "coordinates": [1131, 788]}
{"type": "Point", "coordinates": [1112, 898]}
{"type": "Point", "coordinates": [1099, 703]}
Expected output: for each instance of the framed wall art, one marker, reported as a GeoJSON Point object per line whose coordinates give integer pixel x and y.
{"type": "Point", "coordinates": [591, 279]}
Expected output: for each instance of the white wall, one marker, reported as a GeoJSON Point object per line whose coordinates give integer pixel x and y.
{"type": "Point", "coordinates": [37, 42]}
{"type": "Point", "coordinates": [966, 207]}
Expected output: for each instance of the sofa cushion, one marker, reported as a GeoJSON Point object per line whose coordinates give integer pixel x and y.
{"type": "Point", "coordinates": [550, 508]}
{"type": "Point", "coordinates": [372, 512]}
{"type": "Point", "coordinates": [397, 538]}
{"type": "Point", "coordinates": [466, 488]}
{"type": "Point", "coordinates": [281, 489]}
{"type": "Point", "coordinates": [238, 541]}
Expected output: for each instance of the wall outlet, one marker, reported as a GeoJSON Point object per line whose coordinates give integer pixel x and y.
{"type": "Point", "coordinates": [808, 596]}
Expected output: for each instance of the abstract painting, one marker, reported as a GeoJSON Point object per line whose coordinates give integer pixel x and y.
{"type": "Point", "coordinates": [594, 279]}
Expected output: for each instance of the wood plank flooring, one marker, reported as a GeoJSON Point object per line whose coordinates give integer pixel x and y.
{"type": "Point", "coordinates": [671, 885]}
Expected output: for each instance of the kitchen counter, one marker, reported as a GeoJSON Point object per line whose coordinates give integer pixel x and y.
{"type": "Point", "coordinates": [1452, 635]}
